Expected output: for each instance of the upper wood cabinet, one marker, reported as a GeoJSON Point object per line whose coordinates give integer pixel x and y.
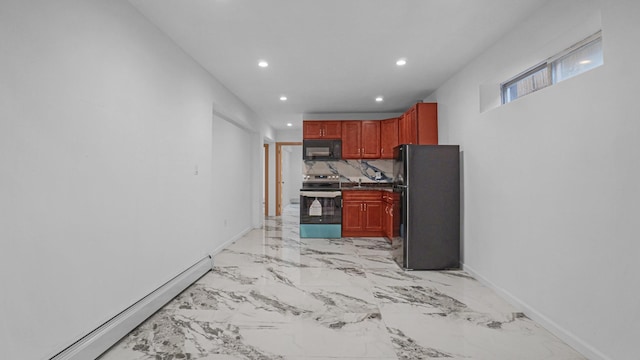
{"type": "Point", "coordinates": [351, 139]}
{"type": "Point", "coordinates": [408, 127]}
{"type": "Point", "coordinates": [370, 139]}
{"type": "Point", "coordinates": [360, 139]}
{"type": "Point", "coordinates": [388, 137]}
{"type": "Point", "coordinates": [321, 129]}
{"type": "Point", "coordinates": [419, 125]}
{"type": "Point", "coordinates": [375, 139]}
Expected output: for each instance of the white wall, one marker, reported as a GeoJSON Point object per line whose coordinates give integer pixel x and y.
{"type": "Point", "coordinates": [232, 194]}
{"type": "Point", "coordinates": [286, 176]}
{"type": "Point", "coordinates": [295, 173]}
{"type": "Point", "coordinates": [551, 188]}
{"type": "Point", "coordinates": [349, 116]}
{"type": "Point", "coordinates": [289, 135]}
{"type": "Point", "coordinates": [291, 173]}
{"type": "Point", "coordinates": [103, 121]}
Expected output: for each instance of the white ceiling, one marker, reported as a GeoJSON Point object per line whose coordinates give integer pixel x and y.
{"type": "Point", "coordinates": [333, 56]}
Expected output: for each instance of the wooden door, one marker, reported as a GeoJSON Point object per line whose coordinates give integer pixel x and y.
{"type": "Point", "coordinates": [387, 222]}
{"type": "Point", "coordinates": [351, 216]}
{"type": "Point", "coordinates": [396, 216]}
{"type": "Point", "coordinates": [411, 131]}
{"type": "Point", "coordinates": [332, 129]}
{"type": "Point", "coordinates": [427, 122]}
{"type": "Point", "coordinates": [388, 137]}
{"type": "Point", "coordinates": [373, 216]}
{"type": "Point", "coordinates": [403, 137]}
{"type": "Point", "coordinates": [351, 139]}
{"type": "Point", "coordinates": [312, 129]}
{"type": "Point", "coordinates": [370, 139]}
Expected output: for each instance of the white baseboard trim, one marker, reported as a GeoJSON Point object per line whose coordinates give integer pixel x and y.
{"type": "Point", "coordinates": [563, 334]}
{"type": "Point", "coordinates": [101, 339]}
{"type": "Point", "coordinates": [230, 241]}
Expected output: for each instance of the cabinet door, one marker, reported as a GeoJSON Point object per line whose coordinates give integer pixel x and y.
{"type": "Point", "coordinates": [351, 216]}
{"type": "Point", "coordinates": [351, 139]}
{"type": "Point", "coordinates": [370, 139]}
{"type": "Point", "coordinates": [373, 216]}
{"type": "Point", "coordinates": [403, 129]}
{"type": "Point", "coordinates": [411, 126]}
{"type": "Point", "coordinates": [312, 129]}
{"type": "Point", "coordinates": [396, 216]}
{"type": "Point", "coordinates": [427, 122]}
{"type": "Point", "coordinates": [388, 137]}
{"type": "Point", "coordinates": [386, 221]}
{"type": "Point", "coordinates": [332, 129]}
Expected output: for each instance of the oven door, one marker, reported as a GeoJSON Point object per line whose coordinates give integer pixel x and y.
{"type": "Point", "coordinates": [320, 207]}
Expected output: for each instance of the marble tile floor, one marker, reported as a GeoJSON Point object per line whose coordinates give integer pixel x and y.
{"type": "Point", "coordinates": [273, 295]}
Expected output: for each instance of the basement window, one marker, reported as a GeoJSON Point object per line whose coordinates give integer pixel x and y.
{"type": "Point", "coordinates": [579, 58]}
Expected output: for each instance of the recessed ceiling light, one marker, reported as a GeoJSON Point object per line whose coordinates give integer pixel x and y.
{"type": "Point", "coordinates": [401, 62]}
{"type": "Point", "coordinates": [283, 98]}
{"type": "Point", "coordinates": [263, 63]}
{"type": "Point", "coordinates": [289, 124]}
{"type": "Point", "coordinates": [379, 99]}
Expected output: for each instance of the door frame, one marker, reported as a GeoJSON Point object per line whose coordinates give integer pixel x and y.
{"type": "Point", "coordinates": [266, 179]}
{"type": "Point", "coordinates": [279, 146]}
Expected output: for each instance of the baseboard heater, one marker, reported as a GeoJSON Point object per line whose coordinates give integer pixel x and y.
{"type": "Point", "coordinates": [108, 334]}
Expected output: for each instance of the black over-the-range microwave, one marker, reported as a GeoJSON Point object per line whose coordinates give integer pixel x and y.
{"type": "Point", "coordinates": [322, 149]}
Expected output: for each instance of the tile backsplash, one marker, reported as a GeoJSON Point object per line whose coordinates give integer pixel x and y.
{"type": "Point", "coordinates": [367, 171]}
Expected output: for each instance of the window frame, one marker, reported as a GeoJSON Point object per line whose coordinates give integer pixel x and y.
{"type": "Point", "coordinates": [523, 75]}
{"type": "Point", "coordinates": [550, 65]}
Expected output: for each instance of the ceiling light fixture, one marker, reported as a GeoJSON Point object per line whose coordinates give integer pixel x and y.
{"type": "Point", "coordinates": [289, 124]}
{"type": "Point", "coordinates": [379, 99]}
{"type": "Point", "coordinates": [283, 98]}
{"type": "Point", "coordinates": [401, 62]}
{"type": "Point", "coordinates": [585, 62]}
{"type": "Point", "coordinates": [263, 63]}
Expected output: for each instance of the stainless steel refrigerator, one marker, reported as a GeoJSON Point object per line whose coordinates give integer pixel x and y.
{"type": "Point", "coordinates": [428, 179]}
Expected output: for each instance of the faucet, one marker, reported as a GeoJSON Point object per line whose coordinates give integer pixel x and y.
{"type": "Point", "coordinates": [359, 182]}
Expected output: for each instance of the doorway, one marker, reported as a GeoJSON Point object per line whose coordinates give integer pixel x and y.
{"type": "Point", "coordinates": [265, 190]}
{"type": "Point", "coordinates": [286, 183]}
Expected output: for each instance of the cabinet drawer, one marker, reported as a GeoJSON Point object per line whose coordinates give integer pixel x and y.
{"type": "Point", "coordinates": [361, 195]}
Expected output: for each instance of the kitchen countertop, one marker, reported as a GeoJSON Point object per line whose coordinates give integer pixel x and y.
{"type": "Point", "coordinates": [367, 186]}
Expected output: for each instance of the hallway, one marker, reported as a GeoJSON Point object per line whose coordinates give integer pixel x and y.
{"type": "Point", "coordinates": [273, 295]}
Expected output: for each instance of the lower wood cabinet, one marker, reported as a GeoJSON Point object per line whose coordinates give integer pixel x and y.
{"type": "Point", "coordinates": [390, 218]}
{"type": "Point", "coordinates": [362, 213]}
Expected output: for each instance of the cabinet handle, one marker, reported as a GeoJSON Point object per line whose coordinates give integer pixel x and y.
{"type": "Point", "coordinates": [365, 207]}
